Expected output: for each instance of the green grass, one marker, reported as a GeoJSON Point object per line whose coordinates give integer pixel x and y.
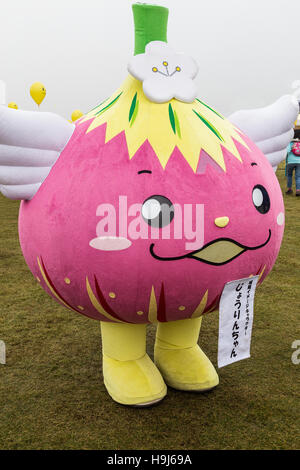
{"type": "Point", "coordinates": [52, 394]}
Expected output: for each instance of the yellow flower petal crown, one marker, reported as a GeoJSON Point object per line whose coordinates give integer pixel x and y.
{"type": "Point", "coordinates": [190, 127]}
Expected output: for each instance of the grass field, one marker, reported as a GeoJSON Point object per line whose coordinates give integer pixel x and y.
{"type": "Point", "coordinates": [51, 389]}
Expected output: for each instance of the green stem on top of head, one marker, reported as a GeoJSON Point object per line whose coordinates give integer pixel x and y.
{"type": "Point", "coordinates": [150, 24]}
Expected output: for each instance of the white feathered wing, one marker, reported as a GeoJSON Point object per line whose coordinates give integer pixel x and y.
{"type": "Point", "coordinates": [30, 144]}
{"type": "Point", "coordinates": [271, 128]}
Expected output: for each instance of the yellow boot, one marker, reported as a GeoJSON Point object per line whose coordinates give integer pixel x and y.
{"type": "Point", "coordinates": [130, 377]}
{"type": "Point", "coordinates": [182, 363]}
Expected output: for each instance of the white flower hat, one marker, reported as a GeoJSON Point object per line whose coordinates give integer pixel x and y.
{"type": "Point", "coordinates": [164, 73]}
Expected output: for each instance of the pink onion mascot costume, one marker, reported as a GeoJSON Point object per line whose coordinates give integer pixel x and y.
{"type": "Point", "coordinates": [144, 209]}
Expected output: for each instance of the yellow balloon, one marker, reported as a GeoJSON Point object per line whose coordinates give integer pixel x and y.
{"type": "Point", "coordinates": [76, 115]}
{"type": "Point", "coordinates": [12, 105]}
{"type": "Point", "coordinates": [37, 92]}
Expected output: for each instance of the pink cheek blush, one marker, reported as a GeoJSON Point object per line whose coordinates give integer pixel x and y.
{"type": "Point", "coordinates": [110, 243]}
{"type": "Point", "coordinates": [280, 218]}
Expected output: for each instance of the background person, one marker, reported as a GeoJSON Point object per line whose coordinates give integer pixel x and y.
{"type": "Point", "coordinates": [293, 164]}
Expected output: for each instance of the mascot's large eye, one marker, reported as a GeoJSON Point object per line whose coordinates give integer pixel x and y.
{"type": "Point", "coordinates": [158, 211]}
{"type": "Point", "coordinates": [261, 199]}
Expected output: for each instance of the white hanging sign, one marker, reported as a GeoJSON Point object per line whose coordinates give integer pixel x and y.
{"type": "Point", "coordinates": [235, 320]}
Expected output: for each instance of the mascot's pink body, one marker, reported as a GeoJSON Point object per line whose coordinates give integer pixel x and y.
{"type": "Point", "coordinates": [57, 226]}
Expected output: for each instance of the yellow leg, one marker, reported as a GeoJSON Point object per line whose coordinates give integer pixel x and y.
{"type": "Point", "coordinates": [182, 363]}
{"type": "Point", "coordinates": [130, 377]}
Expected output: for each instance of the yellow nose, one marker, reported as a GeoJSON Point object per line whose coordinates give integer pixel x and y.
{"type": "Point", "coordinates": [221, 221]}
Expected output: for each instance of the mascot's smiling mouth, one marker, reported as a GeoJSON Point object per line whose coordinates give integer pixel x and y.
{"type": "Point", "coordinates": [217, 252]}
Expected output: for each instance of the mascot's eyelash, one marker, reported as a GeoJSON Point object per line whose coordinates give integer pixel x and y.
{"type": "Point", "coordinates": [144, 171]}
